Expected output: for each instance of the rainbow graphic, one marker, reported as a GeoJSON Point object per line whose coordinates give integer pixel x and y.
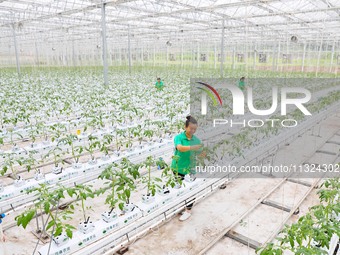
{"type": "Point", "coordinates": [210, 92]}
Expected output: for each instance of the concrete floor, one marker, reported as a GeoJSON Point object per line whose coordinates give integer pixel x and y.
{"type": "Point", "coordinates": [211, 215]}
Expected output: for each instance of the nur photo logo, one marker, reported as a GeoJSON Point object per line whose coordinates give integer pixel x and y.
{"type": "Point", "coordinates": [243, 103]}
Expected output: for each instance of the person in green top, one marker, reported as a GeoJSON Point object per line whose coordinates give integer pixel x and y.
{"type": "Point", "coordinates": [159, 84]}
{"type": "Point", "coordinates": [241, 83]}
{"type": "Point", "coordinates": [187, 147]}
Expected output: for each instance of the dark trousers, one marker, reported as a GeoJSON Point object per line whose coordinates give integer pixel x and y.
{"type": "Point", "coordinates": [189, 204]}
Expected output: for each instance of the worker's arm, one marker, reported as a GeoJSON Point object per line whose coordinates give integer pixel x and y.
{"type": "Point", "coordinates": [183, 148]}
{"type": "Point", "coordinates": [2, 235]}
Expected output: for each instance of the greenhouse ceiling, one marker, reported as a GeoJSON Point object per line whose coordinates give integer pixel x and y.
{"type": "Point", "coordinates": [151, 20]}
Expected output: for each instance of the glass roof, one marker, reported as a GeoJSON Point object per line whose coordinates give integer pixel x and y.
{"type": "Point", "coordinates": [72, 20]}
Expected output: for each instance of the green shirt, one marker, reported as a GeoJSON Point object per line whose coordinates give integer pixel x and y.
{"type": "Point", "coordinates": [241, 85]}
{"type": "Point", "coordinates": [159, 85]}
{"type": "Point", "coordinates": [187, 160]}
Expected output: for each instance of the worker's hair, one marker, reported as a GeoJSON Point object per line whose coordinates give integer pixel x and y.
{"type": "Point", "coordinates": [189, 120]}
{"type": "Point", "coordinates": [242, 78]}
{"type": "Point", "coordinates": [158, 78]}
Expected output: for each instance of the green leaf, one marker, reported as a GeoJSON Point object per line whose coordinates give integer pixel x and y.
{"type": "Point", "coordinates": [27, 218]}
{"type": "Point", "coordinates": [120, 188]}
{"type": "Point", "coordinates": [128, 193]}
{"type": "Point", "coordinates": [46, 207]}
{"type": "Point", "coordinates": [4, 170]}
{"type": "Point", "coordinates": [50, 224]}
{"type": "Point", "coordinates": [69, 233]}
{"type": "Point", "coordinates": [70, 192]}
{"type": "Point", "coordinates": [299, 241]}
{"type": "Point", "coordinates": [58, 230]}
{"type": "Point", "coordinates": [121, 206]}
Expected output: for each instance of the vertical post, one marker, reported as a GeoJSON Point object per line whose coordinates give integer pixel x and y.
{"type": "Point", "coordinates": [36, 54]}
{"type": "Point", "coordinates": [222, 49]}
{"type": "Point", "coordinates": [129, 49]}
{"type": "Point", "coordinates": [303, 57]}
{"type": "Point", "coordinates": [319, 54]}
{"type": "Point", "coordinates": [278, 56]}
{"type": "Point", "coordinates": [332, 57]}
{"type": "Point", "coordinates": [48, 58]}
{"type": "Point", "coordinates": [287, 52]}
{"type": "Point", "coordinates": [73, 54]}
{"type": "Point", "coordinates": [167, 54]}
{"type": "Point", "coordinates": [254, 60]}
{"type": "Point", "coordinates": [233, 60]}
{"type": "Point", "coordinates": [65, 52]}
{"type": "Point", "coordinates": [198, 55]}
{"type": "Point", "coordinates": [192, 56]}
{"type": "Point", "coordinates": [274, 58]}
{"type": "Point", "coordinates": [154, 55]}
{"type": "Point", "coordinates": [182, 54]}
{"type": "Point", "coordinates": [215, 56]}
{"type": "Point", "coordinates": [104, 45]}
{"type": "Point", "coordinates": [119, 56]}
{"type": "Point", "coordinates": [16, 50]}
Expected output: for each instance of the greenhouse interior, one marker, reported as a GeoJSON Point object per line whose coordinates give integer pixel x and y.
{"type": "Point", "coordinates": [170, 127]}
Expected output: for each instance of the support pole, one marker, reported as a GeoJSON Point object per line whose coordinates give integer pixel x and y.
{"type": "Point", "coordinates": [254, 60]}
{"type": "Point", "coordinates": [274, 58]}
{"type": "Point", "coordinates": [222, 50]}
{"type": "Point", "coordinates": [319, 55]}
{"type": "Point", "coordinates": [278, 56]}
{"type": "Point", "coordinates": [303, 57]}
{"type": "Point", "coordinates": [198, 55]}
{"type": "Point", "coordinates": [119, 56]}
{"type": "Point", "coordinates": [215, 56]}
{"type": "Point", "coordinates": [16, 50]}
{"type": "Point", "coordinates": [167, 55]}
{"type": "Point", "coordinates": [129, 49]}
{"type": "Point", "coordinates": [233, 61]}
{"type": "Point", "coordinates": [104, 45]}
{"type": "Point", "coordinates": [36, 53]}
{"type": "Point", "coordinates": [182, 54]}
{"type": "Point", "coordinates": [332, 57]}
{"type": "Point", "coordinates": [154, 55]}
{"type": "Point", "coordinates": [192, 56]}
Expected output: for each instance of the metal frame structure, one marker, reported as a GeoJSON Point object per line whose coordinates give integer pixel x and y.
{"type": "Point", "coordinates": [66, 31]}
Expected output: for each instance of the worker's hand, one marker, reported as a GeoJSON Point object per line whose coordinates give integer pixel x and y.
{"type": "Point", "coordinates": [203, 154]}
{"type": "Point", "coordinates": [196, 147]}
{"type": "Point", "coordinates": [3, 238]}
